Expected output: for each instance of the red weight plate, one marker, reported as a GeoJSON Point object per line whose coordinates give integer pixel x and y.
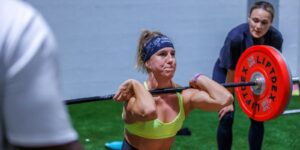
{"type": "Point", "coordinates": [267, 62]}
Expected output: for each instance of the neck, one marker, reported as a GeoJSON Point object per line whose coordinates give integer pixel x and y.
{"type": "Point", "coordinates": [258, 41]}
{"type": "Point", "coordinates": [157, 83]}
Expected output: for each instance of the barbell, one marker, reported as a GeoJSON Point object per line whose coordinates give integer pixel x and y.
{"type": "Point", "coordinates": [262, 81]}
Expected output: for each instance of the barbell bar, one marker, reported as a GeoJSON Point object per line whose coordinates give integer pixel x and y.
{"type": "Point", "coordinates": [262, 82]}
{"type": "Point", "coordinates": [161, 91]}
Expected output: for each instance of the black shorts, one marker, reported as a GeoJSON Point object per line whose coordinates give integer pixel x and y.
{"type": "Point", "coordinates": [127, 146]}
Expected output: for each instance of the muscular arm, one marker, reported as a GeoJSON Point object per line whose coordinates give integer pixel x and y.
{"type": "Point", "coordinates": [209, 95]}
{"type": "Point", "coordinates": [140, 106]}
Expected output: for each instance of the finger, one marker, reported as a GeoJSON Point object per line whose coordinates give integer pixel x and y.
{"type": "Point", "coordinates": [220, 112]}
{"type": "Point", "coordinates": [116, 95]}
{"type": "Point", "coordinates": [221, 115]}
{"type": "Point", "coordinates": [129, 95]}
{"type": "Point", "coordinates": [193, 84]}
{"type": "Point", "coordinates": [119, 97]}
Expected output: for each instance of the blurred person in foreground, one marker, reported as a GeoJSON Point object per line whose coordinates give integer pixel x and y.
{"type": "Point", "coordinates": [32, 113]}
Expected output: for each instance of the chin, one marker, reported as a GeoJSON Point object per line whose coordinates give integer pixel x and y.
{"type": "Point", "coordinates": [170, 76]}
{"type": "Point", "coordinates": [257, 36]}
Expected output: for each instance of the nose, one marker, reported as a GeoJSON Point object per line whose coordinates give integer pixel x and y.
{"type": "Point", "coordinates": [258, 25]}
{"type": "Point", "coordinates": [170, 58]}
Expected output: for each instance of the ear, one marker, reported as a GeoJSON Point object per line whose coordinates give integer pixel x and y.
{"type": "Point", "coordinates": [147, 65]}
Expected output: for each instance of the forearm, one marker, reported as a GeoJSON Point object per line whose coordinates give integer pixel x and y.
{"type": "Point", "coordinates": [144, 99]}
{"type": "Point", "coordinates": [216, 91]}
{"type": "Point", "coordinates": [142, 106]}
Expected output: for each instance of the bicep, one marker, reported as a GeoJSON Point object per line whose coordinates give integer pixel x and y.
{"type": "Point", "coordinates": [201, 100]}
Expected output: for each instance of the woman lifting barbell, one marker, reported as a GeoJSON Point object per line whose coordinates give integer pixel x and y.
{"type": "Point", "coordinates": [151, 122]}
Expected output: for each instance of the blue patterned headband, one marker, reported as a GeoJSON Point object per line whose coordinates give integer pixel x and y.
{"type": "Point", "coordinates": [154, 45]}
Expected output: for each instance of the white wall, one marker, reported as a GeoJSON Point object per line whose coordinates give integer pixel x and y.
{"type": "Point", "coordinates": [98, 39]}
{"type": "Point", "coordinates": [289, 25]}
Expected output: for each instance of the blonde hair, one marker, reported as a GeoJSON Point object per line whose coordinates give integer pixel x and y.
{"type": "Point", "coordinates": [145, 36]}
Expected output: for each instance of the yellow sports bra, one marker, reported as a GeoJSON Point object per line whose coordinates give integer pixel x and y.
{"type": "Point", "coordinates": [156, 129]}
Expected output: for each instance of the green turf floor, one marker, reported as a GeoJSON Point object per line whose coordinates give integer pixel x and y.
{"type": "Point", "coordinates": [100, 122]}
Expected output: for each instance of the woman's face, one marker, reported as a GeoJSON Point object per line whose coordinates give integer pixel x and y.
{"type": "Point", "coordinates": [259, 22]}
{"type": "Point", "coordinates": [163, 63]}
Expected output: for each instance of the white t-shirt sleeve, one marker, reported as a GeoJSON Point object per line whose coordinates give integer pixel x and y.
{"type": "Point", "coordinates": [34, 113]}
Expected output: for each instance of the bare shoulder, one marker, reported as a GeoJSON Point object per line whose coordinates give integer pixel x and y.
{"type": "Point", "coordinates": [187, 99]}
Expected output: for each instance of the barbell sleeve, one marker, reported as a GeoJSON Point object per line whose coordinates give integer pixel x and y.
{"type": "Point", "coordinates": [293, 111]}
